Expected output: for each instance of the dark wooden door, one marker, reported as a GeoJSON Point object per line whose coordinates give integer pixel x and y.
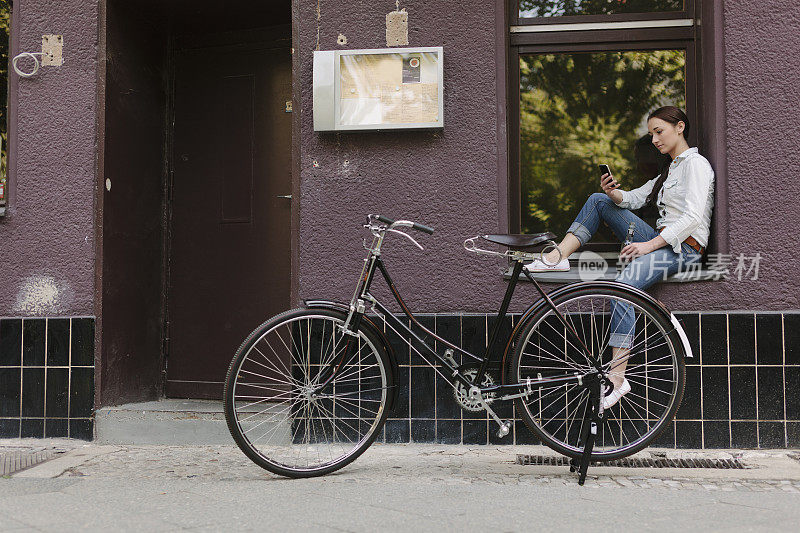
{"type": "Point", "coordinates": [230, 240]}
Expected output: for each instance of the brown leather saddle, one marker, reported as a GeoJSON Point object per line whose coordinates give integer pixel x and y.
{"type": "Point", "coordinates": [520, 242]}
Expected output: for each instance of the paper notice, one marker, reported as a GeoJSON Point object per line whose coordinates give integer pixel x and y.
{"type": "Point", "coordinates": [389, 89]}
{"type": "Point", "coordinates": [362, 76]}
{"type": "Point", "coordinates": [413, 103]}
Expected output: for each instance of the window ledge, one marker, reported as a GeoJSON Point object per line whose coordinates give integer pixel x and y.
{"type": "Point", "coordinates": [611, 274]}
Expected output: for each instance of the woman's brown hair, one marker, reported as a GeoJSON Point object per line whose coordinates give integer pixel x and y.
{"type": "Point", "coordinates": [673, 115]}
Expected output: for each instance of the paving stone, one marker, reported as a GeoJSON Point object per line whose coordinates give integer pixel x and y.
{"type": "Point", "coordinates": [426, 464]}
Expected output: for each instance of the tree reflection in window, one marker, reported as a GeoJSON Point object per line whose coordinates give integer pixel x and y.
{"type": "Point", "coordinates": [5, 31]}
{"type": "Point", "coordinates": [560, 8]}
{"type": "Point", "coordinates": [581, 109]}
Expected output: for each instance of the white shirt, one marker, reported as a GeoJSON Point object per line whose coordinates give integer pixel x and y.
{"type": "Point", "coordinates": [684, 202]}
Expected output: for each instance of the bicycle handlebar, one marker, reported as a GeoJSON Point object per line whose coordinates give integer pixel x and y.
{"type": "Point", "coordinates": [414, 225]}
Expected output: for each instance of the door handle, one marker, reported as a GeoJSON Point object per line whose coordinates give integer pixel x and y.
{"type": "Point", "coordinates": [287, 196]}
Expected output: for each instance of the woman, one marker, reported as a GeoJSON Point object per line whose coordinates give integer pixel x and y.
{"type": "Point", "coordinates": [683, 194]}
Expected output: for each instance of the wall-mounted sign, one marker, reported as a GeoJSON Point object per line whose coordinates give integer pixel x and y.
{"type": "Point", "coordinates": [388, 88]}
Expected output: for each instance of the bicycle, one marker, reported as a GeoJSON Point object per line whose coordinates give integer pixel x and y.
{"type": "Point", "coordinates": [309, 390]}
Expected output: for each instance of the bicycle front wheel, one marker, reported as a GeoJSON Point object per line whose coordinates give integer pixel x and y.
{"type": "Point", "coordinates": [652, 363]}
{"type": "Point", "coordinates": [273, 412]}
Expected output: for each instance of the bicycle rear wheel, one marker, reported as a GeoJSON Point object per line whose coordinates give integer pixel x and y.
{"type": "Point", "coordinates": [653, 366]}
{"type": "Point", "coordinates": [271, 411]}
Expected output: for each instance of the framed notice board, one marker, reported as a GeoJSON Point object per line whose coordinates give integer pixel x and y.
{"type": "Point", "coordinates": [380, 89]}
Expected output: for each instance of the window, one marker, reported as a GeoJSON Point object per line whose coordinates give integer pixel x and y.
{"type": "Point", "coordinates": [581, 92]}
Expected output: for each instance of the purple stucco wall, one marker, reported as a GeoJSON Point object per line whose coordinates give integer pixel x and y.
{"type": "Point", "coordinates": [762, 70]}
{"type": "Point", "coordinates": [47, 236]}
{"type": "Point", "coordinates": [448, 179]}
{"type": "Point", "coordinates": [762, 67]}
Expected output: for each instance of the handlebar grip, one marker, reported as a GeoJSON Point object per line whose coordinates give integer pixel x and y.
{"type": "Point", "coordinates": [420, 227]}
{"type": "Point", "coordinates": [426, 229]}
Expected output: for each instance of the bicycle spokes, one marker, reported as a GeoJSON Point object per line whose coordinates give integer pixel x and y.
{"type": "Point", "coordinates": [647, 359]}
{"type": "Point", "coordinates": [279, 408]}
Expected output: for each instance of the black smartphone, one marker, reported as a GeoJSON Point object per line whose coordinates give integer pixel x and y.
{"type": "Point", "coordinates": [605, 170]}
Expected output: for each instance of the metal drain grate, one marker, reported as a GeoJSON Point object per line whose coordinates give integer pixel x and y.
{"type": "Point", "coordinates": [632, 462]}
{"type": "Point", "coordinates": [11, 462]}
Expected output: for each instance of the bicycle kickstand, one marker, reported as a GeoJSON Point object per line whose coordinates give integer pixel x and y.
{"type": "Point", "coordinates": [591, 422]}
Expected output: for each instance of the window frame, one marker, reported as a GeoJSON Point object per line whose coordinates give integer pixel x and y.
{"type": "Point", "coordinates": [685, 38]}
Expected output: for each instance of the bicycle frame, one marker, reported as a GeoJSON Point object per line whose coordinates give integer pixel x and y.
{"type": "Point", "coordinates": [449, 370]}
{"type": "Point", "coordinates": [340, 361]}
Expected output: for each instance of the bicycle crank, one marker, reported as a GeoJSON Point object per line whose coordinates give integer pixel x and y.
{"type": "Point", "coordinates": [462, 395]}
{"type": "Point", "coordinates": [476, 395]}
{"type": "Point", "coordinates": [472, 399]}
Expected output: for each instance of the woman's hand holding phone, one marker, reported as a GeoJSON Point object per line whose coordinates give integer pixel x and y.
{"type": "Point", "coordinates": [609, 184]}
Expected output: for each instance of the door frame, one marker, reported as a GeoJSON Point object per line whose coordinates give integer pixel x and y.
{"type": "Point", "coordinates": [284, 35]}
{"type": "Point", "coordinates": [99, 191]}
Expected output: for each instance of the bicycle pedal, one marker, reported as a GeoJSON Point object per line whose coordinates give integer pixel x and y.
{"type": "Point", "coordinates": [505, 429]}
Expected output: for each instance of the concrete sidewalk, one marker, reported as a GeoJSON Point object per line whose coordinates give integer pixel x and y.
{"type": "Point", "coordinates": [391, 487]}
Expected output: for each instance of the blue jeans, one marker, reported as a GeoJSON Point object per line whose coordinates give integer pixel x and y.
{"type": "Point", "coordinates": [643, 271]}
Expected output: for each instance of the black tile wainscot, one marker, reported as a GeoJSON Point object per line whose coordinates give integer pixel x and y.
{"type": "Point", "coordinates": [47, 377]}
{"type": "Point", "coordinates": [740, 386]}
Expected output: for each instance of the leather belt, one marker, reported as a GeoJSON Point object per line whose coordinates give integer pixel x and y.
{"type": "Point", "coordinates": [692, 242]}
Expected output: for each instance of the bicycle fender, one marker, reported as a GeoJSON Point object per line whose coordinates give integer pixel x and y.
{"type": "Point", "coordinates": [339, 306]}
{"type": "Point", "coordinates": [370, 324]}
{"type": "Point", "coordinates": [687, 348]}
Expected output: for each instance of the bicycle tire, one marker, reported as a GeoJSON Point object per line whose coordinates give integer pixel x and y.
{"type": "Point", "coordinates": [300, 426]}
{"type": "Point", "coordinates": [657, 382]}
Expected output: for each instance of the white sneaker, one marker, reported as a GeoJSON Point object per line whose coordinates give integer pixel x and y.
{"type": "Point", "coordinates": [538, 266]}
{"type": "Point", "coordinates": [616, 394]}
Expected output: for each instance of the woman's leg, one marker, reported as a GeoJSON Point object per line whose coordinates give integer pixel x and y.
{"type": "Point", "coordinates": [568, 245]}
{"type": "Point", "coordinates": [599, 207]}
{"type": "Point", "coordinates": [641, 273]}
